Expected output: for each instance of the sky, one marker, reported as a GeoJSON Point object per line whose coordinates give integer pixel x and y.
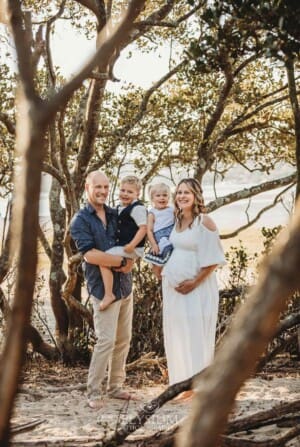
{"type": "Point", "coordinates": [71, 49]}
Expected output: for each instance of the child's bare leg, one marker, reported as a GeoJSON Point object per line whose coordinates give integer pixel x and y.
{"type": "Point", "coordinates": [157, 271]}
{"type": "Point", "coordinates": [109, 297]}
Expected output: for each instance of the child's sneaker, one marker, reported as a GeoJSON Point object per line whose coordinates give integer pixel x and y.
{"type": "Point", "coordinates": [157, 259]}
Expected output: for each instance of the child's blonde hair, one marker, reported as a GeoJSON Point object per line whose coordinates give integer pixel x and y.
{"type": "Point", "coordinates": [132, 180]}
{"type": "Point", "coordinates": [159, 187]}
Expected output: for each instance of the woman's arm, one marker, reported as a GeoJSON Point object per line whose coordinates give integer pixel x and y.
{"type": "Point", "coordinates": [188, 285]}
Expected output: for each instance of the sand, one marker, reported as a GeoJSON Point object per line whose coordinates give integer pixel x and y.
{"type": "Point", "coordinates": [56, 398]}
{"type": "Point", "coordinates": [50, 397]}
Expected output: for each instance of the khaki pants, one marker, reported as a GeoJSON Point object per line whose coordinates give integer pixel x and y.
{"type": "Point", "coordinates": [113, 331]}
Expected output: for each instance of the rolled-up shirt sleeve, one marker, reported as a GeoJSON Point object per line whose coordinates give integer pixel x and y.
{"type": "Point", "coordinates": [81, 233]}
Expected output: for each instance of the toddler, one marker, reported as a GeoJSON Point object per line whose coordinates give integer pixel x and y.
{"type": "Point", "coordinates": [160, 225]}
{"type": "Point", "coordinates": [131, 231]}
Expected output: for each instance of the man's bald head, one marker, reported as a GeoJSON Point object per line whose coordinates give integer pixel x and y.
{"type": "Point", "coordinates": [97, 188]}
{"type": "Point", "coordinates": [94, 176]}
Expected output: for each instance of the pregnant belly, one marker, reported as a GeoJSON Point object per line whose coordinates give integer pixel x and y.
{"type": "Point", "coordinates": [182, 265]}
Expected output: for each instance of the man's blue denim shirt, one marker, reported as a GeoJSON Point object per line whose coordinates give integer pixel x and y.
{"type": "Point", "coordinates": [88, 232]}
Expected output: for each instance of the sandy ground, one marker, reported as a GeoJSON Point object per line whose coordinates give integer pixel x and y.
{"type": "Point", "coordinates": [50, 398]}
{"type": "Point", "coordinates": [55, 397]}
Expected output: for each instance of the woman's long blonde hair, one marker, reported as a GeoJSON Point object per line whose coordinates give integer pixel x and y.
{"type": "Point", "coordinates": [198, 206]}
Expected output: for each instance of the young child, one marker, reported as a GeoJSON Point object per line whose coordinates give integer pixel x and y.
{"type": "Point", "coordinates": [131, 231]}
{"type": "Point", "coordinates": [160, 225]}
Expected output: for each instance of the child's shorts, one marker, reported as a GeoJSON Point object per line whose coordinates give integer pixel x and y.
{"type": "Point", "coordinates": [119, 250]}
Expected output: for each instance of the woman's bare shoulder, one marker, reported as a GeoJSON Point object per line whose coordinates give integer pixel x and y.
{"type": "Point", "coordinates": [208, 222]}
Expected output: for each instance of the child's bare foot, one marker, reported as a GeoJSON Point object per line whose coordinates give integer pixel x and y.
{"type": "Point", "coordinates": [106, 301]}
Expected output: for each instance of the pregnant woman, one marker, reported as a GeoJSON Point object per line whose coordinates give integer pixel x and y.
{"type": "Point", "coordinates": [190, 291]}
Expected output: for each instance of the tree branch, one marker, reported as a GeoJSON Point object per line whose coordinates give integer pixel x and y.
{"type": "Point", "coordinates": [148, 410]}
{"type": "Point", "coordinates": [97, 7]}
{"type": "Point", "coordinates": [205, 153]}
{"type": "Point", "coordinates": [174, 24]}
{"type": "Point", "coordinates": [244, 64]}
{"type": "Point", "coordinates": [48, 50]}
{"type": "Point", "coordinates": [250, 192]}
{"type": "Point", "coordinates": [26, 72]}
{"type": "Point", "coordinates": [78, 119]}
{"type": "Point", "coordinates": [236, 158]}
{"type": "Point", "coordinates": [257, 217]}
{"type": "Point", "coordinates": [101, 58]}
{"type": "Point", "coordinates": [156, 17]}
{"type": "Point", "coordinates": [245, 116]}
{"type": "Point", "coordinates": [247, 128]}
{"type": "Point", "coordinates": [44, 242]}
{"type": "Point", "coordinates": [121, 133]}
{"type": "Point", "coordinates": [38, 47]}
{"type": "Point", "coordinates": [49, 169]}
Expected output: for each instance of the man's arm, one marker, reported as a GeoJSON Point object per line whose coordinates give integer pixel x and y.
{"type": "Point", "coordinates": [81, 233]}
{"type": "Point", "coordinates": [98, 257]}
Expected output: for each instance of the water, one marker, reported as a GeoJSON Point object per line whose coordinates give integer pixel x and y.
{"type": "Point", "coordinates": [227, 217]}
{"type": "Point", "coordinates": [237, 214]}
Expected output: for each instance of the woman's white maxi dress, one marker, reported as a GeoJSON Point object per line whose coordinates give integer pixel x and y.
{"type": "Point", "coordinates": [189, 321]}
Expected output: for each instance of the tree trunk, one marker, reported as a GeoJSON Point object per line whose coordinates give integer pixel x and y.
{"type": "Point", "coordinates": [290, 69]}
{"type": "Point", "coordinates": [26, 216]}
{"type": "Point", "coordinates": [205, 154]}
{"type": "Point", "coordinates": [40, 346]}
{"type": "Point", "coordinates": [57, 275]}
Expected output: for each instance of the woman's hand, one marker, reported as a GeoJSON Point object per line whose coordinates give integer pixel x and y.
{"type": "Point", "coordinates": [186, 286]}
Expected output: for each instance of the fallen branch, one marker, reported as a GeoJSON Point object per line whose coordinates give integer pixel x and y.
{"type": "Point", "coordinates": [145, 361]}
{"type": "Point", "coordinates": [17, 428]}
{"type": "Point", "coordinates": [265, 417]}
{"type": "Point", "coordinates": [279, 441]}
{"type": "Point", "coordinates": [281, 347]}
{"type": "Point", "coordinates": [147, 411]}
{"type": "Point", "coordinates": [53, 389]}
{"type": "Point", "coordinates": [291, 321]}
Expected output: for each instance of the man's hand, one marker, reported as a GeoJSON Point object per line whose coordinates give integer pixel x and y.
{"type": "Point", "coordinates": [127, 268]}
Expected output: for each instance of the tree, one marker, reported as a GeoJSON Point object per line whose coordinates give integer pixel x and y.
{"type": "Point", "coordinates": [235, 120]}
{"type": "Point", "coordinates": [270, 29]}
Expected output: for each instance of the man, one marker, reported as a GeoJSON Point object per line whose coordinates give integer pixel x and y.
{"type": "Point", "coordinates": [93, 230]}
